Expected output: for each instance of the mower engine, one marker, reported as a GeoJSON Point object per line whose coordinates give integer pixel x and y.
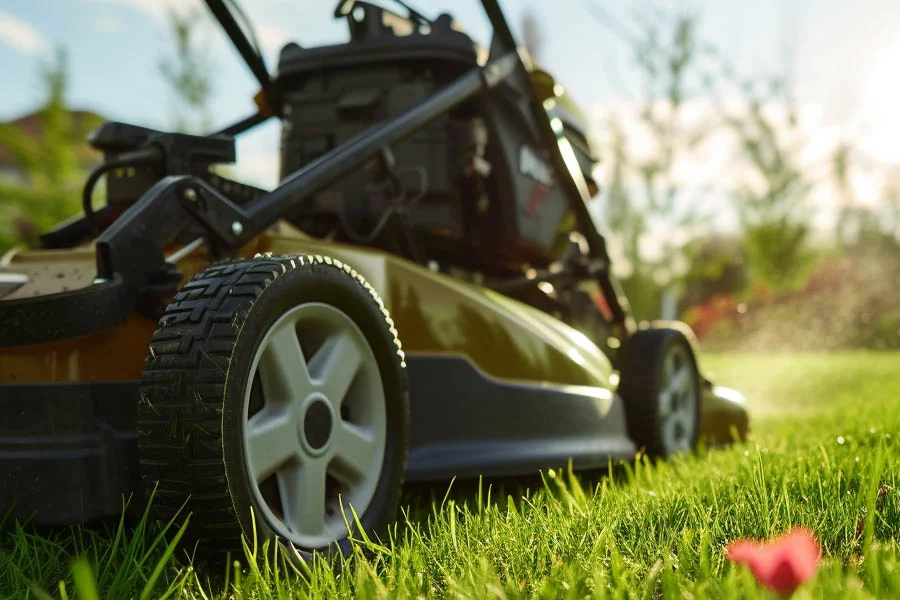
{"type": "Point", "coordinates": [474, 183]}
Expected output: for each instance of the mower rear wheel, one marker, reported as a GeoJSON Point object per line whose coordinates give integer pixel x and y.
{"type": "Point", "coordinates": [660, 385]}
{"type": "Point", "coordinates": [275, 399]}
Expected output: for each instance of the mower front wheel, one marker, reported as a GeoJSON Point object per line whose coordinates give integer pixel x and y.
{"type": "Point", "coordinates": [275, 399]}
{"type": "Point", "coordinates": [660, 385]}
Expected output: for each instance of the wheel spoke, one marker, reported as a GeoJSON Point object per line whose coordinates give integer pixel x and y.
{"type": "Point", "coordinates": [271, 441]}
{"type": "Point", "coordinates": [353, 448]}
{"type": "Point", "coordinates": [671, 433]}
{"type": "Point", "coordinates": [282, 368]}
{"type": "Point", "coordinates": [685, 419]}
{"type": "Point", "coordinates": [677, 429]}
{"type": "Point", "coordinates": [680, 381]}
{"type": "Point", "coordinates": [666, 403]}
{"type": "Point", "coordinates": [335, 366]}
{"type": "Point", "coordinates": [670, 367]}
{"type": "Point", "coordinates": [287, 437]}
{"type": "Point", "coordinates": [303, 496]}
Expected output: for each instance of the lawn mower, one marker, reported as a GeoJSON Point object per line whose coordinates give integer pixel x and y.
{"type": "Point", "coordinates": [425, 295]}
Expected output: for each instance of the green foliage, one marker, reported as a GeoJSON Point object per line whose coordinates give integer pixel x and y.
{"type": "Point", "coordinates": [52, 165]}
{"type": "Point", "coordinates": [823, 455]}
{"type": "Point", "coordinates": [850, 301]}
{"type": "Point", "coordinates": [643, 191]}
{"type": "Point", "coordinates": [772, 186]}
{"type": "Point", "coordinates": [774, 211]}
{"type": "Point", "coordinates": [50, 191]}
{"type": "Point", "coordinates": [189, 75]}
{"type": "Point", "coordinates": [718, 266]}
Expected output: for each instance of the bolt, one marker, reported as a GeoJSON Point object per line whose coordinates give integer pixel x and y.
{"type": "Point", "coordinates": [190, 195]}
{"type": "Point", "coordinates": [237, 229]}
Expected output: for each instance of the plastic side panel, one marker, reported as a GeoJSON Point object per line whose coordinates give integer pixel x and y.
{"type": "Point", "coordinates": [465, 424]}
{"type": "Point", "coordinates": [114, 355]}
{"type": "Point", "coordinates": [436, 314]}
{"type": "Point", "coordinates": [433, 313]}
{"type": "Point", "coordinates": [724, 415]}
{"type": "Point", "coordinates": [68, 452]}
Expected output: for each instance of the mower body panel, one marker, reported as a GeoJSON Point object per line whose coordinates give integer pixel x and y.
{"type": "Point", "coordinates": [434, 314]}
{"type": "Point", "coordinates": [496, 387]}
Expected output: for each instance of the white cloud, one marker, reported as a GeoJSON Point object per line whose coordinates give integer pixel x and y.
{"type": "Point", "coordinates": [20, 35]}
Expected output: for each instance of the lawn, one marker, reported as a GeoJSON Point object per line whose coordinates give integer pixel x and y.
{"type": "Point", "coordinates": [823, 454]}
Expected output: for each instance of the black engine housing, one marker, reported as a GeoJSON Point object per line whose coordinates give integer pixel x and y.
{"type": "Point", "coordinates": [477, 187]}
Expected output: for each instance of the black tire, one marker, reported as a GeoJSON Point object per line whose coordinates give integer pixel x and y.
{"type": "Point", "coordinates": [643, 381]}
{"type": "Point", "coordinates": [191, 417]}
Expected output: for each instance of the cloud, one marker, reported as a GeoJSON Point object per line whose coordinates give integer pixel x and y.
{"type": "Point", "coordinates": [20, 35]}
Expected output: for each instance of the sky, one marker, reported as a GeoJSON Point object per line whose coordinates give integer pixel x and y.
{"type": "Point", "coordinates": [842, 56]}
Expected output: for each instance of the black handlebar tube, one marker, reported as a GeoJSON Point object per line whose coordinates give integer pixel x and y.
{"type": "Point", "coordinates": [572, 179]}
{"type": "Point", "coordinates": [356, 151]}
{"type": "Point", "coordinates": [241, 43]}
{"type": "Point", "coordinates": [243, 125]}
{"type": "Point", "coordinates": [134, 245]}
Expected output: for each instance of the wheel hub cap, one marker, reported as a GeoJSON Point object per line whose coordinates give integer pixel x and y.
{"type": "Point", "coordinates": [318, 423]}
{"type": "Point", "coordinates": [678, 400]}
{"type": "Point", "coordinates": [314, 426]}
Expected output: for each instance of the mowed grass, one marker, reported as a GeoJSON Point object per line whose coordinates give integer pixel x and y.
{"type": "Point", "coordinates": [823, 454]}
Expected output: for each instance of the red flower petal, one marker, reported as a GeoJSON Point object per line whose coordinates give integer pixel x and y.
{"type": "Point", "coordinates": [782, 564]}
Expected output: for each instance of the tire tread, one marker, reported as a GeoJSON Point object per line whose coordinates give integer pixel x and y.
{"type": "Point", "coordinates": [180, 435]}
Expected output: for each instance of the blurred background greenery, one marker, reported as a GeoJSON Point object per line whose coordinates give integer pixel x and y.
{"type": "Point", "coordinates": [775, 279]}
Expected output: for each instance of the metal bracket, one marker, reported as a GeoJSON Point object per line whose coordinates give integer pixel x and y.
{"type": "Point", "coordinates": [224, 219]}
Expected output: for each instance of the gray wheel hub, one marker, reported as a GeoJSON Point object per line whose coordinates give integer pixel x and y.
{"type": "Point", "coordinates": [678, 400]}
{"type": "Point", "coordinates": [318, 424]}
{"type": "Point", "coordinates": [314, 426]}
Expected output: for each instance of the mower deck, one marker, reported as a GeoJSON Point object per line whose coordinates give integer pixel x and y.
{"type": "Point", "coordinates": [80, 464]}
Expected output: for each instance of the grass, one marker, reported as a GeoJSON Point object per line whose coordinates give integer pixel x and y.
{"type": "Point", "coordinates": [824, 445]}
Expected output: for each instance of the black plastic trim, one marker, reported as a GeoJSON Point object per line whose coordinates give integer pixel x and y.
{"type": "Point", "coordinates": [54, 317]}
{"type": "Point", "coordinates": [465, 424]}
{"type": "Point", "coordinates": [68, 451]}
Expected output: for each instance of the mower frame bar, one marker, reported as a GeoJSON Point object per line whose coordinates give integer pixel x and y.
{"type": "Point", "coordinates": [243, 125]}
{"type": "Point", "coordinates": [355, 152]}
{"type": "Point", "coordinates": [133, 246]}
{"type": "Point", "coordinates": [241, 43]}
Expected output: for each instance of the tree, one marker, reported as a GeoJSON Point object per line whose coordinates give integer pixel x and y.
{"type": "Point", "coordinates": [188, 74]}
{"type": "Point", "coordinates": [857, 224]}
{"type": "Point", "coordinates": [643, 189]}
{"type": "Point", "coordinates": [52, 178]}
{"type": "Point", "coordinates": [774, 214]}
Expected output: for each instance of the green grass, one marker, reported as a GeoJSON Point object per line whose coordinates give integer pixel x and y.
{"type": "Point", "coordinates": [824, 443]}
